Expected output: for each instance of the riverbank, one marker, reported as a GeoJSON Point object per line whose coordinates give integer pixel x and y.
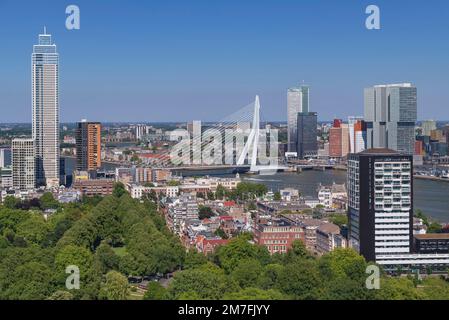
{"type": "Point", "coordinates": [438, 179]}
{"type": "Point", "coordinates": [430, 196]}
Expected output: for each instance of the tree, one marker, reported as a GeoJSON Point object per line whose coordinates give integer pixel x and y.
{"type": "Point", "coordinates": [277, 196]}
{"type": "Point", "coordinates": [11, 202]}
{"type": "Point", "coordinates": [119, 190]}
{"type": "Point", "coordinates": [434, 289]}
{"type": "Point", "coordinates": [205, 212]}
{"type": "Point", "coordinates": [298, 250]}
{"type": "Point", "coordinates": [134, 158]}
{"type": "Point", "coordinates": [220, 233]}
{"type": "Point", "coordinates": [90, 274]}
{"type": "Point", "coordinates": [34, 229]}
{"type": "Point", "coordinates": [155, 291]}
{"type": "Point", "coordinates": [342, 263]}
{"type": "Point", "coordinates": [254, 294]}
{"type": "Point", "coordinates": [301, 280]}
{"type": "Point", "coordinates": [173, 183]}
{"type": "Point", "coordinates": [270, 276]}
{"type": "Point", "coordinates": [30, 281]}
{"type": "Point", "coordinates": [434, 227]}
{"type": "Point", "coordinates": [339, 219]}
{"type": "Point", "coordinates": [220, 192]}
{"type": "Point", "coordinates": [47, 201]}
{"type": "Point", "coordinates": [116, 287]}
{"type": "Point", "coordinates": [106, 257]}
{"type": "Point", "coordinates": [247, 273]}
{"type": "Point", "coordinates": [238, 249]}
{"type": "Point", "coordinates": [194, 259]}
{"type": "Point", "coordinates": [61, 295]}
{"type": "Point", "coordinates": [397, 289]}
{"type": "Point", "coordinates": [206, 282]}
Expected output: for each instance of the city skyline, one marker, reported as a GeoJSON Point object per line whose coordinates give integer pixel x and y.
{"type": "Point", "coordinates": [174, 69]}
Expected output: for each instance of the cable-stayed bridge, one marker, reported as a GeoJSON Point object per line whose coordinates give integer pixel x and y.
{"type": "Point", "coordinates": [248, 156]}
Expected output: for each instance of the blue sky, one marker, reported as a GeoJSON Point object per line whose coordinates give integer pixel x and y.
{"type": "Point", "coordinates": [168, 60]}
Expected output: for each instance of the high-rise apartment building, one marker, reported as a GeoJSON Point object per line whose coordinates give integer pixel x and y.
{"type": "Point", "coordinates": [390, 115]}
{"type": "Point", "coordinates": [427, 126]}
{"type": "Point", "coordinates": [88, 146]}
{"type": "Point", "coordinates": [297, 101]}
{"type": "Point", "coordinates": [45, 100]}
{"type": "Point", "coordinates": [380, 201]}
{"type": "Point", "coordinates": [23, 164]}
{"type": "Point", "coordinates": [357, 134]}
{"type": "Point", "coordinates": [141, 131]}
{"type": "Point", "coordinates": [339, 140]}
{"type": "Point", "coordinates": [307, 144]}
{"type": "Point", "coordinates": [5, 157]}
{"type": "Point", "coordinates": [194, 127]}
{"type": "Point", "coordinates": [446, 134]}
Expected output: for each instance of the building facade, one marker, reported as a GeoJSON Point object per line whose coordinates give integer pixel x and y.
{"type": "Point", "coordinates": [88, 146]}
{"type": "Point", "coordinates": [45, 101]}
{"type": "Point", "coordinates": [339, 140]}
{"type": "Point", "coordinates": [390, 115]}
{"type": "Point", "coordinates": [427, 126]}
{"type": "Point", "coordinates": [357, 134]}
{"type": "Point", "coordinates": [277, 235]}
{"type": "Point", "coordinates": [94, 187]}
{"type": "Point", "coordinates": [307, 144]}
{"type": "Point", "coordinates": [431, 243]}
{"type": "Point", "coordinates": [380, 201]}
{"type": "Point", "coordinates": [328, 238]}
{"type": "Point", "coordinates": [5, 157]}
{"type": "Point", "coordinates": [297, 101]}
{"type": "Point", "coordinates": [23, 164]}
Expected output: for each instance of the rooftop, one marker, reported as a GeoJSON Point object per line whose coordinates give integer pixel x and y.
{"type": "Point", "coordinates": [379, 151]}
{"type": "Point", "coordinates": [329, 228]}
{"type": "Point", "coordinates": [427, 236]}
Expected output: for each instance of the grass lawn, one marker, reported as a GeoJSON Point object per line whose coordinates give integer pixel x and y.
{"type": "Point", "coordinates": [120, 251]}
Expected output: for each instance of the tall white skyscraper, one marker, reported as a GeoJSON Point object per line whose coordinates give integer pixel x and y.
{"type": "Point", "coordinates": [45, 99]}
{"type": "Point", "coordinates": [390, 115]}
{"type": "Point", "coordinates": [297, 101]}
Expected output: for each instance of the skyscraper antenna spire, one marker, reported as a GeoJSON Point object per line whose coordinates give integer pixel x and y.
{"type": "Point", "coordinates": [45, 30]}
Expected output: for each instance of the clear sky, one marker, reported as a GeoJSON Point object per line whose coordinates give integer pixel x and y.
{"type": "Point", "coordinates": [180, 60]}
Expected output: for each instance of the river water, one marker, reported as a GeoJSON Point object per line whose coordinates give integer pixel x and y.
{"type": "Point", "coordinates": [432, 197]}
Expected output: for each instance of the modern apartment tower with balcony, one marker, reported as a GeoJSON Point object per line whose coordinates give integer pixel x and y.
{"type": "Point", "coordinates": [45, 101]}
{"type": "Point", "coordinates": [380, 195]}
{"type": "Point", "coordinates": [23, 164]}
{"type": "Point", "coordinates": [88, 146]}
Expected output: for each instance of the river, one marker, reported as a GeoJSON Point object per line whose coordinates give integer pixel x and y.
{"type": "Point", "coordinates": [432, 197]}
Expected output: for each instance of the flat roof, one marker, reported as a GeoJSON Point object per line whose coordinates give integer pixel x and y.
{"type": "Point", "coordinates": [380, 151]}
{"type": "Point", "coordinates": [432, 236]}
